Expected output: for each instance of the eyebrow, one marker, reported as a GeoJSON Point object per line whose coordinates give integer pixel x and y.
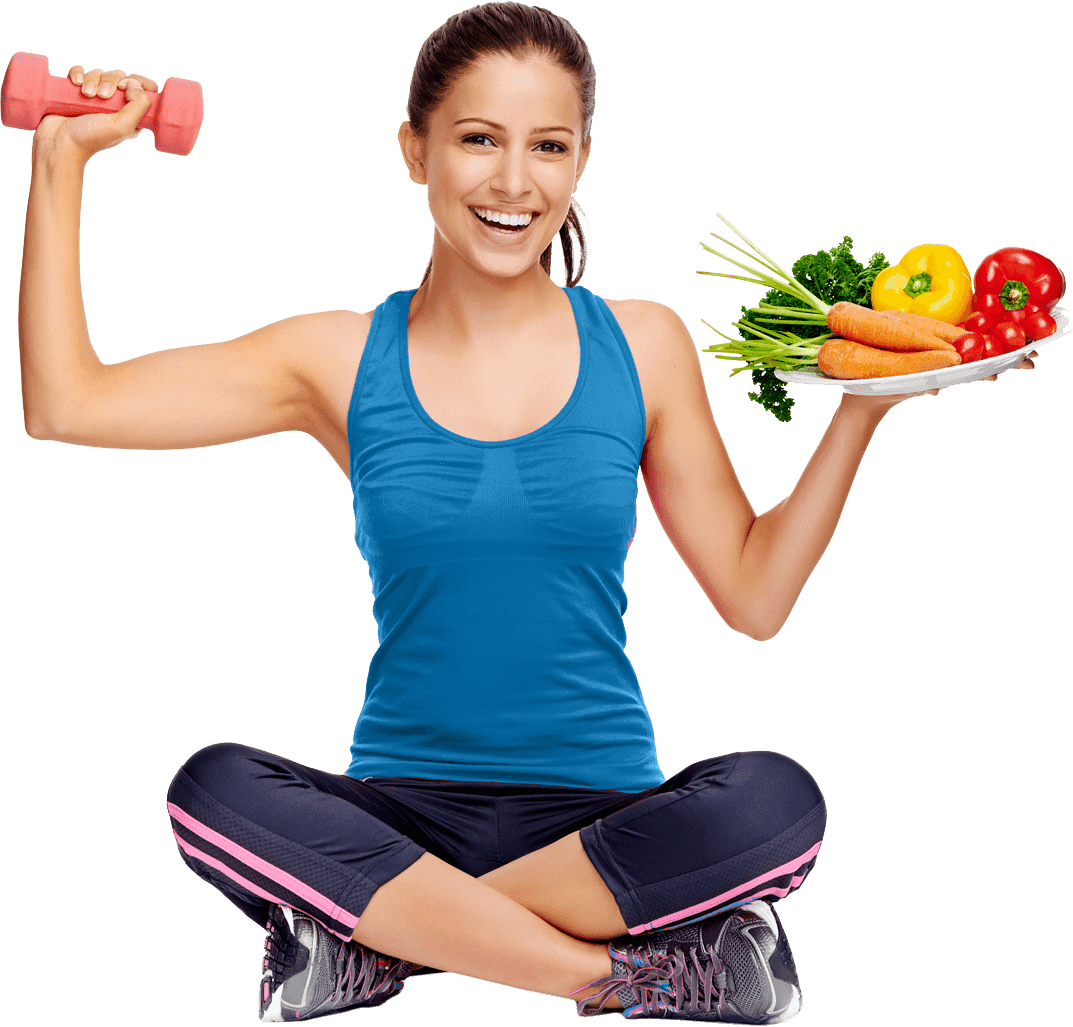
{"type": "Point", "coordinates": [502, 128]}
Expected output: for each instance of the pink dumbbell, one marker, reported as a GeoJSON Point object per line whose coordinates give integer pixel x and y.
{"type": "Point", "coordinates": [29, 93]}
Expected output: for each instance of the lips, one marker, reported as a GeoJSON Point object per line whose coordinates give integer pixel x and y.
{"type": "Point", "coordinates": [506, 229]}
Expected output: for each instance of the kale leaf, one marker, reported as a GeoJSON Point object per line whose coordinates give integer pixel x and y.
{"type": "Point", "coordinates": [772, 395]}
{"type": "Point", "coordinates": [835, 275]}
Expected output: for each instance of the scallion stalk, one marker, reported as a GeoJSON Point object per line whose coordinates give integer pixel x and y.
{"type": "Point", "coordinates": [768, 347]}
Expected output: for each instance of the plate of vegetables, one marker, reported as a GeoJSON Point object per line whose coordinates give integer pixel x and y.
{"type": "Point", "coordinates": [940, 378]}
{"type": "Point", "coordinates": [883, 329]}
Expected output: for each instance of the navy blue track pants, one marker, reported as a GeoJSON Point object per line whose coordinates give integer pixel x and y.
{"type": "Point", "coordinates": [720, 833]}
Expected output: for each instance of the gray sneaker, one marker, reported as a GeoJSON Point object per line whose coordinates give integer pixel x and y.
{"type": "Point", "coordinates": [733, 967]}
{"type": "Point", "coordinates": [310, 972]}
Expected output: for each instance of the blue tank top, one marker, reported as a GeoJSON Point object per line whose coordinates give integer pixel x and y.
{"type": "Point", "coordinates": [497, 575]}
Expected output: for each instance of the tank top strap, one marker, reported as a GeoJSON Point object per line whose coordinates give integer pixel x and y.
{"type": "Point", "coordinates": [612, 397]}
{"type": "Point", "coordinates": [378, 402]}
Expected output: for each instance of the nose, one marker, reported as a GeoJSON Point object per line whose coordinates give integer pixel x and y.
{"type": "Point", "coordinates": [511, 177]}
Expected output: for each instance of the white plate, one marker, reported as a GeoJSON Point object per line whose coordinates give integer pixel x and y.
{"type": "Point", "coordinates": [937, 379]}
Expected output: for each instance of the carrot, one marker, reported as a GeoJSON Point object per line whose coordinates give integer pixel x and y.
{"type": "Point", "coordinates": [880, 328]}
{"type": "Point", "coordinates": [844, 358]}
{"type": "Point", "coordinates": [943, 329]}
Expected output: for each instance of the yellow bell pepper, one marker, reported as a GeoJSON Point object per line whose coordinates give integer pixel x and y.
{"type": "Point", "coordinates": [931, 280]}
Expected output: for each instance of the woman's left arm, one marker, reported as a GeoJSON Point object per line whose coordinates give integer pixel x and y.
{"type": "Point", "coordinates": [784, 545]}
{"type": "Point", "coordinates": [751, 567]}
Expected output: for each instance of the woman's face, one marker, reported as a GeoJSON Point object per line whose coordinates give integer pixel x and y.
{"type": "Point", "coordinates": [507, 137]}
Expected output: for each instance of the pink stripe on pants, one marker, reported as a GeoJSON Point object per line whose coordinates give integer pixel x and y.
{"type": "Point", "coordinates": [729, 896]}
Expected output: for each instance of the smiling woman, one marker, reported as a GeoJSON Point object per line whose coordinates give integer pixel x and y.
{"type": "Point", "coordinates": [496, 551]}
{"type": "Point", "coordinates": [503, 816]}
{"type": "Point", "coordinates": [450, 90]}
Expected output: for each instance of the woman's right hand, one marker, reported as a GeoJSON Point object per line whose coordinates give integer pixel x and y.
{"type": "Point", "coordinates": [91, 132]}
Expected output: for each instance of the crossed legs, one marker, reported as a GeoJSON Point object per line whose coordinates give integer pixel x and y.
{"type": "Point", "coordinates": [723, 830]}
{"type": "Point", "coordinates": [540, 923]}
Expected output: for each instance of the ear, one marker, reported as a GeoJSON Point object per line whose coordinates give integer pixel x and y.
{"type": "Point", "coordinates": [582, 161]}
{"type": "Point", "coordinates": [413, 152]}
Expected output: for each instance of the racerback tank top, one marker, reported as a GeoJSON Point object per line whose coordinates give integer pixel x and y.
{"type": "Point", "coordinates": [497, 572]}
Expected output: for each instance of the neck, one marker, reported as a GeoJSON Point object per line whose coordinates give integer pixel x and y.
{"type": "Point", "coordinates": [470, 311]}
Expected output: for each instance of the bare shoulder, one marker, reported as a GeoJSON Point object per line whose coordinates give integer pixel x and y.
{"type": "Point", "coordinates": [658, 340]}
{"type": "Point", "coordinates": [656, 334]}
{"type": "Point", "coordinates": [650, 319]}
{"type": "Point", "coordinates": [328, 364]}
{"type": "Point", "coordinates": [341, 329]}
{"type": "Point", "coordinates": [334, 338]}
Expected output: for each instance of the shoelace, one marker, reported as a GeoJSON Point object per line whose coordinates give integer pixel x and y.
{"type": "Point", "coordinates": [279, 952]}
{"type": "Point", "coordinates": [374, 974]}
{"type": "Point", "coordinates": [280, 956]}
{"type": "Point", "coordinates": [651, 976]}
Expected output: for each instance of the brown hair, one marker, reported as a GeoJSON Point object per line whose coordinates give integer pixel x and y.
{"type": "Point", "coordinates": [521, 32]}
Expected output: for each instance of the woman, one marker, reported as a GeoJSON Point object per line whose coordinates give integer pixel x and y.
{"type": "Point", "coordinates": [503, 815]}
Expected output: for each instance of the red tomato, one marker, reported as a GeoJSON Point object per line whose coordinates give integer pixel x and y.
{"type": "Point", "coordinates": [1017, 317]}
{"type": "Point", "coordinates": [977, 322]}
{"type": "Point", "coordinates": [989, 303]}
{"type": "Point", "coordinates": [1007, 337]}
{"type": "Point", "coordinates": [970, 346]}
{"type": "Point", "coordinates": [993, 348]}
{"type": "Point", "coordinates": [1039, 325]}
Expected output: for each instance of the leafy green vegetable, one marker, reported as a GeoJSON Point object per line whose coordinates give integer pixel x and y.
{"type": "Point", "coordinates": [772, 395]}
{"type": "Point", "coordinates": [836, 276]}
{"type": "Point", "coordinates": [786, 329]}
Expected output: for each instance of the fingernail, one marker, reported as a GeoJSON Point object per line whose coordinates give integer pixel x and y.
{"type": "Point", "coordinates": [77, 78]}
{"type": "Point", "coordinates": [103, 90]}
{"type": "Point", "coordinates": [89, 89]}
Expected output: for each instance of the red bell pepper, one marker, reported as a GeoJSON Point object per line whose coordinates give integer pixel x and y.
{"type": "Point", "coordinates": [1018, 287]}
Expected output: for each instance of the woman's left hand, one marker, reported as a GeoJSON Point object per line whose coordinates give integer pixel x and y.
{"type": "Point", "coordinates": [881, 404]}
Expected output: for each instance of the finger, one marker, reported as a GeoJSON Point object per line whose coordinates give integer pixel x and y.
{"type": "Point", "coordinates": [76, 73]}
{"type": "Point", "coordinates": [131, 113]}
{"type": "Point", "coordinates": [109, 82]}
{"type": "Point", "coordinates": [107, 85]}
{"type": "Point", "coordinates": [89, 82]}
{"type": "Point", "coordinates": [138, 80]}
{"type": "Point", "coordinates": [1025, 363]}
{"type": "Point", "coordinates": [990, 378]}
{"type": "Point", "coordinates": [146, 83]}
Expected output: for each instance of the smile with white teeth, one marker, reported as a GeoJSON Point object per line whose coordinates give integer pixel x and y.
{"type": "Point", "coordinates": [496, 217]}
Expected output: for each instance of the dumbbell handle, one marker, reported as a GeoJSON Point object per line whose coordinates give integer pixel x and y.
{"type": "Point", "coordinates": [55, 95]}
{"type": "Point", "coordinates": [62, 96]}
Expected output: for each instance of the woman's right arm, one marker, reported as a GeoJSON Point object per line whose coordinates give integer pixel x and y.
{"type": "Point", "coordinates": [191, 396]}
